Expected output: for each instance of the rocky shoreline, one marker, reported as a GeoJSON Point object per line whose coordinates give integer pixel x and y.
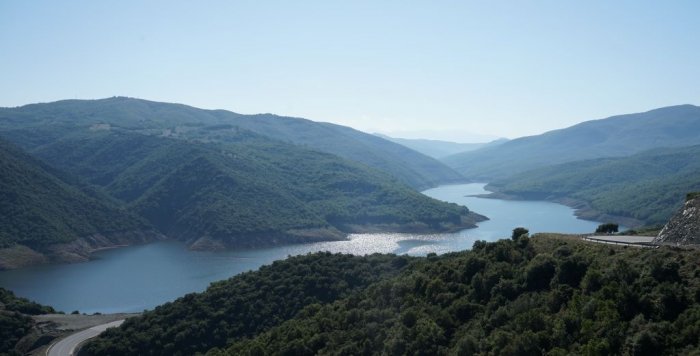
{"type": "Point", "coordinates": [79, 250]}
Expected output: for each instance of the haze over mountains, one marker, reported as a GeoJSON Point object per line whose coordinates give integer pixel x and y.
{"type": "Point", "coordinates": [440, 149]}
{"type": "Point", "coordinates": [616, 136]}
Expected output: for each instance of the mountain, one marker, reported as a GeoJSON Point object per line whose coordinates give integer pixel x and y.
{"type": "Point", "coordinates": [38, 123]}
{"type": "Point", "coordinates": [531, 296]}
{"type": "Point", "coordinates": [647, 187]}
{"type": "Point", "coordinates": [684, 226]}
{"type": "Point", "coordinates": [246, 190]}
{"type": "Point", "coordinates": [440, 149]}
{"type": "Point", "coordinates": [41, 207]}
{"type": "Point", "coordinates": [615, 136]}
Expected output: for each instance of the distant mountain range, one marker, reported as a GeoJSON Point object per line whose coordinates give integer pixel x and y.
{"type": "Point", "coordinates": [198, 176]}
{"type": "Point", "coordinates": [37, 122]}
{"type": "Point", "coordinates": [439, 149]}
{"type": "Point", "coordinates": [616, 136]}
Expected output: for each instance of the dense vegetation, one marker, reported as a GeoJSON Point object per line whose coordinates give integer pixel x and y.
{"type": "Point", "coordinates": [245, 305]}
{"type": "Point", "coordinates": [526, 296]}
{"type": "Point", "coordinates": [246, 190]}
{"type": "Point", "coordinates": [649, 186]}
{"type": "Point", "coordinates": [617, 136]}
{"type": "Point", "coordinates": [40, 206]}
{"type": "Point", "coordinates": [15, 320]}
{"type": "Point", "coordinates": [37, 124]}
{"type": "Point", "coordinates": [196, 175]}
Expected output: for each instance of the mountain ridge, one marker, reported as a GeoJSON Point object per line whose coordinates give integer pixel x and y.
{"type": "Point", "coordinates": [647, 187]}
{"type": "Point", "coordinates": [615, 136]}
{"type": "Point", "coordinates": [413, 168]}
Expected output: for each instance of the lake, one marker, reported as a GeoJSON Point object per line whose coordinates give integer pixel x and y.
{"type": "Point", "coordinates": [136, 278]}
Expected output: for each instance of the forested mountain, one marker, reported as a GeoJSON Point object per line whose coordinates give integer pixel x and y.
{"type": "Point", "coordinates": [439, 149]}
{"type": "Point", "coordinates": [246, 190]}
{"type": "Point", "coordinates": [40, 206]}
{"type": "Point", "coordinates": [38, 123]}
{"type": "Point", "coordinates": [529, 296]}
{"type": "Point", "coordinates": [197, 175]}
{"type": "Point", "coordinates": [649, 186]}
{"type": "Point", "coordinates": [616, 136]}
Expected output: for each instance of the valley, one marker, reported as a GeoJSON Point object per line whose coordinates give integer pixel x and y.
{"type": "Point", "coordinates": [197, 199]}
{"type": "Point", "coordinates": [155, 273]}
{"type": "Point", "coordinates": [349, 178]}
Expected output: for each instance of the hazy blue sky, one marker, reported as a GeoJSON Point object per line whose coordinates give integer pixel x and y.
{"type": "Point", "coordinates": [438, 68]}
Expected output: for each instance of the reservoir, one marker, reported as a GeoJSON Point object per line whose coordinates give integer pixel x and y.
{"type": "Point", "coordinates": [136, 278]}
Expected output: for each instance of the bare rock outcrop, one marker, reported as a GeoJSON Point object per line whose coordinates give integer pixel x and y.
{"type": "Point", "coordinates": [684, 227]}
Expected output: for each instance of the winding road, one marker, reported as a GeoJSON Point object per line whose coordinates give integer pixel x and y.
{"type": "Point", "coordinates": [68, 345]}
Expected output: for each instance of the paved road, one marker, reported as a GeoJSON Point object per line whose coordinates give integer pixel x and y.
{"type": "Point", "coordinates": [67, 345]}
{"type": "Point", "coordinates": [631, 240]}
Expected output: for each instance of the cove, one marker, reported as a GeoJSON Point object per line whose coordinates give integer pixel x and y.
{"type": "Point", "coordinates": [136, 278]}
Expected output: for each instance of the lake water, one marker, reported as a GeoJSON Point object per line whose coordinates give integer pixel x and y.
{"type": "Point", "coordinates": [135, 278]}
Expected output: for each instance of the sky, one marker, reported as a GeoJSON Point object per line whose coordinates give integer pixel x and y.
{"type": "Point", "coordinates": [455, 70]}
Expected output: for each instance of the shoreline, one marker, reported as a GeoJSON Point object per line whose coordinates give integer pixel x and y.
{"type": "Point", "coordinates": [83, 249]}
{"type": "Point", "coordinates": [582, 209]}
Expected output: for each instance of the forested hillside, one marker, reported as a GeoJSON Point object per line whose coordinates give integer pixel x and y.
{"type": "Point", "coordinates": [16, 321]}
{"type": "Point", "coordinates": [649, 186]}
{"type": "Point", "coordinates": [529, 296]}
{"type": "Point", "coordinates": [248, 190]}
{"type": "Point", "coordinates": [247, 304]}
{"type": "Point", "coordinates": [198, 176]}
{"type": "Point", "coordinates": [616, 136]}
{"type": "Point", "coordinates": [36, 124]}
{"type": "Point", "coordinates": [40, 206]}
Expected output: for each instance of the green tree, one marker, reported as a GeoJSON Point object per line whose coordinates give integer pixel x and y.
{"type": "Point", "coordinates": [607, 228]}
{"type": "Point", "coordinates": [519, 231]}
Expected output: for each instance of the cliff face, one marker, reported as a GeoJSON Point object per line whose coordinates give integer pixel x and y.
{"type": "Point", "coordinates": [684, 227]}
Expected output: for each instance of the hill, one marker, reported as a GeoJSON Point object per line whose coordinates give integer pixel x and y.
{"type": "Point", "coordinates": [439, 149]}
{"type": "Point", "coordinates": [16, 322]}
{"type": "Point", "coordinates": [616, 136]}
{"type": "Point", "coordinates": [647, 187]}
{"type": "Point", "coordinates": [543, 295]}
{"type": "Point", "coordinates": [247, 190]}
{"type": "Point", "coordinates": [41, 207]}
{"type": "Point", "coordinates": [38, 124]}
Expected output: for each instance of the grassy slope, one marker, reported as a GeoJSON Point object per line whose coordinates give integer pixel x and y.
{"type": "Point", "coordinates": [615, 136]}
{"type": "Point", "coordinates": [246, 189]}
{"type": "Point", "coordinates": [40, 206]}
{"type": "Point", "coordinates": [546, 294]}
{"type": "Point", "coordinates": [49, 121]}
{"type": "Point", "coordinates": [649, 186]}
